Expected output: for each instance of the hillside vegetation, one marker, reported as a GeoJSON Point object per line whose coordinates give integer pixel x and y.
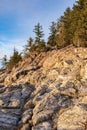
{"type": "Point", "coordinates": [71, 28]}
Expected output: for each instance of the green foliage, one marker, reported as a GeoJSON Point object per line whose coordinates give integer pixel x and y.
{"type": "Point", "coordinates": [28, 46]}
{"type": "Point", "coordinates": [38, 30]}
{"type": "Point", "coordinates": [32, 48]}
{"type": "Point", "coordinates": [39, 44]}
{"type": "Point", "coordinates": [14, 59]}
{"type": "Point", "coordinates": [41, 47]}
{"type": "Point", "coordinates": [53, 33]}
{"type": "Point", "coordinates": [4, 61]}
{"type": "Point", "coordinates": [72, 26]}
{"type": "Point", "coordinates": [64, 36]}
{"type": "Point", "coordinates": [80, 34]}
{"type": "Point", "coordinates": [61, 34]}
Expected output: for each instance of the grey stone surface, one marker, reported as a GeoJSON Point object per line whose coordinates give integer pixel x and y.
{"type": "Point", "coordinates": [48, 93]}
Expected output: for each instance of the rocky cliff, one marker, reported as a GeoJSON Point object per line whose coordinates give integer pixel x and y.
{"type": "Point", "coordinates": [46, 92]}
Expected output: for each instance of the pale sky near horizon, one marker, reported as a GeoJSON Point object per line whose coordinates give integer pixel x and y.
{"type": "Point", "coordinates": [18, 18]}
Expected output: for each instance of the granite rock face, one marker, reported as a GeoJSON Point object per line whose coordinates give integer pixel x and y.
{"type": "Point", "coordinates": [46, 93]}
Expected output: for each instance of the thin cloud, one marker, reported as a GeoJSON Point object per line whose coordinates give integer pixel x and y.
{"type": "Point", "coordinates": [7, 46]}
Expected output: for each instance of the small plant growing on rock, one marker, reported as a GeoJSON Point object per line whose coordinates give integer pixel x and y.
{"type": "Point", "coordinates": [78, 77]}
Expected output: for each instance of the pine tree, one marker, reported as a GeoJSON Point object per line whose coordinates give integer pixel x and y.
{"type": "Point", "coordinates": [53, 34]}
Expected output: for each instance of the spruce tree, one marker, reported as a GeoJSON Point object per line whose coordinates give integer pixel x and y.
{"type": "Point", "coordinates": [39, 41]}
{"type": "Point", "coordinates": [64, 36]}
{"type": "Point", "coordinates": [28, 46]}
{"type": "Point", "coordinates": [72, 26]}
{"type": "Point", "coordinates": [80, 35]}
{"type": "Point", "coordinates": [38, 30]}
{"type": "Point", "coordinates": [4, 61]}
{"type": "Point", "coordinates": [53, 34]}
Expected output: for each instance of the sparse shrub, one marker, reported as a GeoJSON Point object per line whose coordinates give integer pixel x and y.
{"type": "Point", "coordinates": [78, 77]}
{"type": "Point", "coordinates": [4, 61]}
{"type": "Point", "coordinates": [14, 59]}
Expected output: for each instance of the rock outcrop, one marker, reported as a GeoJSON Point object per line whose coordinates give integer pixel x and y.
{"type": "Point", "coordinates": [46, 93]}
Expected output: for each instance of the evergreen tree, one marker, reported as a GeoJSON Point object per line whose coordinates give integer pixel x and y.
{"type": "Point", "coordinates": [14, 59]}
{"type": "Point", "coordinates": [4, 61]}
{"type": "Point", "coordinates": [80, 35]}
{"type": "Point", "coordinates": [29, 45]}
{"type": "Point", "coordinates": [61, 33]}
{"type": "Point", "coordinates": [64, 36]}
{"type": "Point", "coordinates": [72, 26]}
{"type": "Point", "coordinates": [53, 34]}
{"type": "Point", "coordinates": [39, 44]}
{"type": "Point", "coordinates": [38, 30]}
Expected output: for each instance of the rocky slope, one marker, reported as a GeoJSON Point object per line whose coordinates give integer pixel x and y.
{"type": "Point", "coordinates": [46, 92]}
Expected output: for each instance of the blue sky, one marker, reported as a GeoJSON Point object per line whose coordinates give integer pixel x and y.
{"type": "Point", "coordinates": [18, 18]}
